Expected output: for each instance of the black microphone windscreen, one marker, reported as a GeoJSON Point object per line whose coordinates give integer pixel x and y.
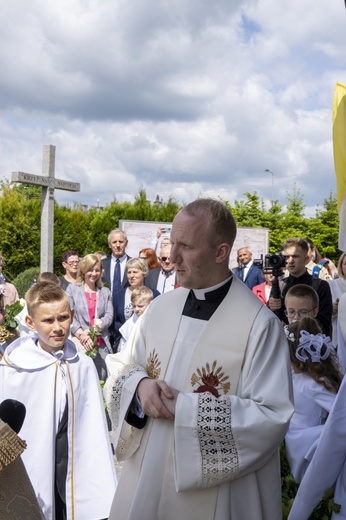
{"type": "Point", "coordinates": [13, 413]}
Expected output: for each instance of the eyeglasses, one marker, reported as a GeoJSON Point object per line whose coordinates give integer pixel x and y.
{"type": "Point", "coordinates": [290, 313]}
{"type": "Point", "coordinates": [73, 262]}
{"type": "Point", "coordinates": [165, 259]}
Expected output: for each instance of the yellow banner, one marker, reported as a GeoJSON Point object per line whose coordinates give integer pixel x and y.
{"type": "Point", "coordinates": [339, 150]}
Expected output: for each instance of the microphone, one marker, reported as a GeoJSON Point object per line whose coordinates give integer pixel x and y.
{"type": "Point", "coordinates": [13, 413]}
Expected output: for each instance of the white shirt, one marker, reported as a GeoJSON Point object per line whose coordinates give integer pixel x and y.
{"type": "Point", "coordinates": [166, 281]}
{"type": "Point", "coordinates": [246, 269]}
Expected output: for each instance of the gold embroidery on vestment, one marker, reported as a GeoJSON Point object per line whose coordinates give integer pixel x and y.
{"type": "Point", "coordinates": [210, 380]}
{"type": "Point", "coordinates": [153, 365]}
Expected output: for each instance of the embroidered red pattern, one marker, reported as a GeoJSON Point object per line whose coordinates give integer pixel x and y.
{"type": "Point", "coordinates": [211, 380]}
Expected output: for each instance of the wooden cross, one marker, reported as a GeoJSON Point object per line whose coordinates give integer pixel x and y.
{"type": "Point", "coordinates": [49, 183]}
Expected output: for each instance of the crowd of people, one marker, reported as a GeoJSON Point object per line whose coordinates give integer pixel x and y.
{"type": "Point", "coordinates": [205, 372]}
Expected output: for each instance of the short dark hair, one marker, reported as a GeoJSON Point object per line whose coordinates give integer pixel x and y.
{"type": "Point", "coordinates": [221, 224]}
{"type": "Point", "coordinates": [67, 254]}
{"type": "Point", "coordinates": [297, 242]}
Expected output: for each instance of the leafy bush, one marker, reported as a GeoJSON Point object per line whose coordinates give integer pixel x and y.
{"type": "Point", "coordinates": [323, 511]}
{"type": "Point", "coordinates": [24, 280]}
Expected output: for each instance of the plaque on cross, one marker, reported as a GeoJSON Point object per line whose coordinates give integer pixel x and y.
{"type": "Point", "coordinates": [49, 183]}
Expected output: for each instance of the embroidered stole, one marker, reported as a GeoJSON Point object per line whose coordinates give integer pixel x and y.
{"type": "Point", "coordinates": [224, 338]}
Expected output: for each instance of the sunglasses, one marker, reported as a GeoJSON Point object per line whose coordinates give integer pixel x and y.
{"type": "Point", "coordinates": [165, 258]}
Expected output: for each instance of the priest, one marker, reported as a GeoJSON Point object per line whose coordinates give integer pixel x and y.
{"type": "Point", "coordinates": [201, 397]}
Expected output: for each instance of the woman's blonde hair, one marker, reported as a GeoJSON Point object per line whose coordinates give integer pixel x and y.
{"type": "Point", "coordinates": [138, 263]}
{"type": "Point", "coordinates": [87, 263]}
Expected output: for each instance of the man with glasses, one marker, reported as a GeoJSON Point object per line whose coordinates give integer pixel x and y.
{"type": "Point", "coordinates": [163, 278]}
{"type": "Point", "coordinates": [70, 261]}
{"type": "Point", "coordinates": [296, 252]}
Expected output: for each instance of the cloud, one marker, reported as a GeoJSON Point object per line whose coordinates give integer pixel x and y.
{"type": "Point", "coordinates": [183, 98]}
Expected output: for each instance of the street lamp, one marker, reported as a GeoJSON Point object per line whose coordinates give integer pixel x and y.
{"type": "Point", "coordinates": [272, 174]}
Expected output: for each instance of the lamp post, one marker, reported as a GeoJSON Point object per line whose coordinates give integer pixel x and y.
{"type": "Point", "coordinates": [272, 174]}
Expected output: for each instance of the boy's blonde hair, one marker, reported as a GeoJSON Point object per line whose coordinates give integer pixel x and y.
{"type": "Point", "coordinates": [304, 291]}
{"type": "Point", "coordinates": [44, 292]}
{"type": "Point", "coordinates": [141, 292]}
{"type": "Point", "coordinates": [47, 276]}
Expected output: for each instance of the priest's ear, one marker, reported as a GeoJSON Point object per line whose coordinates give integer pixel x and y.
{"type": "Point", "coordinates": [222, 252]}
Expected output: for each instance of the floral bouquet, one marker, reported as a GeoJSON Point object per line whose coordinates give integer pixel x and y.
{"type": "Point", "coordinates": [95, 334]}
{"type": "Point", "coordinates": [8, 329]}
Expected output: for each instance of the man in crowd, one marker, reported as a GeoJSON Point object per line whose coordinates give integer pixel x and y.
{"type": "Point", "coordinates": [114, 266]}
{"type": "Point", "coordinates": [247, 272]}
{"type": "Point", "coordinates": [296, 252]}
{"type": "Point", "coordinates": [163, 278]}
{"type": "Point", "coordinates": [201, 396]}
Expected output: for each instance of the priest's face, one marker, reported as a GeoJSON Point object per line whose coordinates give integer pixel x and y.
{"type": "Point", "coordinates": [52, 323]}
{"type": "Point", "coordinates": [196, 262]}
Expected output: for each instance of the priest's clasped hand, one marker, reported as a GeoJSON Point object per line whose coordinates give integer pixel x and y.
{"type": "Point", "coordinates": [157, 399]}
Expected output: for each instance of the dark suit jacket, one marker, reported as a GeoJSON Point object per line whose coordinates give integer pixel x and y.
{"type": "Point", "coordinates": [106, 277]}
{"type": "Point", "coordinates": [119, 314]}
{"type": "Point", "coordinates": [153, 276]}
{"type": "Point", "coordinates": [254, 276]}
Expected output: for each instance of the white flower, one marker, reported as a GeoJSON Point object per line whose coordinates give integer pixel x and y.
{"type": "Point", "coordinates": [22, 302]}
{"type": "Point", "coordinates": [98, 323]}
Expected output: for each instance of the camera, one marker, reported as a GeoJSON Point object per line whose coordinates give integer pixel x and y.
{"type": "Point", "coordinates": [273, 264]}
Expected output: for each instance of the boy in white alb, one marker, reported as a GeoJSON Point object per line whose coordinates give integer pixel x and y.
{"type": "Point", "coordinates": [68, 459]}
{"type": "Point", "coordinates": [140, 300]}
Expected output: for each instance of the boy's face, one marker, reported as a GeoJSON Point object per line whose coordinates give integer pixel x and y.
{"type": "Point", "coordinates": [299, 307]}
{"type": "Point", "coordinates": [139, 306]}
{"type": "Point", "coordinates": [52, 323]}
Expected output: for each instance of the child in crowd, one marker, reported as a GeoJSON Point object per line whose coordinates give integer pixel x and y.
{"type": "Point", "coordinates": [316, 381]}
{"type": "Point", "coordinates": [301, 301]}
{"type": "Point", "coordinates": [328, 466]}
{"type": "Point", "coordinates": [140, 300]}
{"type": "Point", "coordinates": [68, 458]}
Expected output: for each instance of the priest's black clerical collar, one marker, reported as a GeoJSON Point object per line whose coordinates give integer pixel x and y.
{"type": "Point", "coordinates": [202, 303]}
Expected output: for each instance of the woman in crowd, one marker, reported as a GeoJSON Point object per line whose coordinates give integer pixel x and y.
{"type": "Point", "coordinates": [70, 261]}
{"type": "Point", "coordinates": [149, 255]}
{"type": "Point", "coordinates": [263, 290]}
{"type": "Point", "coordinates": [136, 270]}
{"type": "Point", "coordinates": [338, 287]}
{"type": "Point", "coordinates": [92, 305]}
{"type": "Point", "coordinates": [316, 381]}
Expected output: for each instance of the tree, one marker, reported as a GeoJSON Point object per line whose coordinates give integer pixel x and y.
{"type": "Point", "coordinates": [20, 229]}
{"type": "Point", "coordinates": [324, 229]}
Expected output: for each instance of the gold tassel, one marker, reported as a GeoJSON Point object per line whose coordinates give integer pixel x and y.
{"type": "Point", "coordinates": [11, 446]}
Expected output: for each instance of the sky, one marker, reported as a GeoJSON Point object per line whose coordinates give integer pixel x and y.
{"type": "Point", "coordinates": [184, 99]}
